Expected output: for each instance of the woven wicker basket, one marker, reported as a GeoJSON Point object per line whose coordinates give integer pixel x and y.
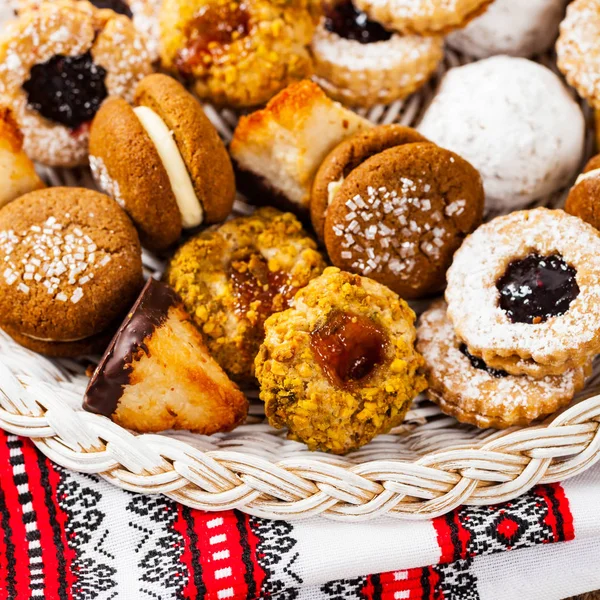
{"type": "Point", "coordinates": [422, 469]}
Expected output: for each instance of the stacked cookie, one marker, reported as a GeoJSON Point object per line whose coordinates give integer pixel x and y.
{"type": "Point", "coordinates": [522, 322]}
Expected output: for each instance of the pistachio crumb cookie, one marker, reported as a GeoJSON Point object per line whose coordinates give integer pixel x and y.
{"type": "Point", "coordinates": [523, 292]}
{"type": "Point", "coordinates": [339, 367]}
{"type": "Point", "coordinates": [468, 389]}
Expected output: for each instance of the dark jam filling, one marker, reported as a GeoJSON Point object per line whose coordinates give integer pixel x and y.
{"type": "Point", "coordinates": [118, 6]}
{"type": "Point", "coordinates": [536, 288]}
{"type": "Point", "coordinates": [345, 20]}
{"type": "Point", "coordinates": [348, 348]}
{"type": "Point", "coordinates": [67, 89]}
{"type": "Point", "coordinates": [479, 363]}
{"type": "Point", "coordinates": [210, 32]}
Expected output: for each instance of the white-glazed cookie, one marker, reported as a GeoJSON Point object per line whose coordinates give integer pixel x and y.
{"type": "Point", "coordinates": [511, 27]}
{"type": "Point", "coordinates": [515, 121]}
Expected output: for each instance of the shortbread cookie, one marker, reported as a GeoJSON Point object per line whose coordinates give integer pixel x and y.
{"type": "Point", "coordinates": [345, 157]}
{"type": "Point", "coordinates": [515, 121]}
{"type": "Point", "coordinates": [234, 276]}
{"type": "Point", "coordinates": [523, 292]}
{"type": "Point", "coordinates": [423, 17]}
{"type": "Point", "coordinates": [57, 66]}
{"type": "Point", "coordinates": [339, 367]}
{"type": "Point", "coordinates": [400, 216]}
{"type": "Point", "coordinates": [71, 267]}
{"type": "Point", "coordinates": [511, 27]}
{"type": "Point", "coordinates": [360, 63]}
{"type": "Point", "coordinates": [157, 373]}
{"type": "Point", "coordinates": [278, 150]}
{"type": "Point", "coordinates": [584, 198]}
{"type": "Point", "coordinates": [466, 388]}
{"type": "Point", "coordinates": [237, 53]}
{"type": "Point", "coordinates": [578, 49]}
{"type": "Point", "coordinates": [162, 161]}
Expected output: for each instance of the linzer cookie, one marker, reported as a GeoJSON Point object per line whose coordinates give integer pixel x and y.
{"type": "Point", "coordinates": [57, 66]}
{"type": "Point", "coordinates": [71, 266]}
{"type": "Point", "coordinates": [523, 292]}
{"type": "Point", "coordinates": [584, 198]}
{"type": "Point", "coordinates": [157, 373]}
{"type": "Point", "coordinates": [399, 217]}
{"type": "Point", "coordinates": [468, 389]}
{"type": "Point", "coordinates": [162, 161]}
{"type": "Point", "coordinates": [360, 63]}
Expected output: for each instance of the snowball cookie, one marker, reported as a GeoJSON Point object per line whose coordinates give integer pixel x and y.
{"type": "Point", "coordinates": [511, 27]}
{"type": "Point", "coordinates": [515, 122]}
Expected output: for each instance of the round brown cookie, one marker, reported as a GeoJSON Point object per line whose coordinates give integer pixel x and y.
{"type": "Point", "coordinates": [345, 157]}
{"type": "Point", "coordinates": [584, 198]}
{"type": "Point", "coordinates": [400, 216]}
{"type": "Point", "coordinates": [71, 265]}
{"type": "Point", "coordinates": [180, 175]}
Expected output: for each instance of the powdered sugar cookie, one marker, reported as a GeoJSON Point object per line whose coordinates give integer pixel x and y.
{"type": "Point", "coordinates": [511, 27]}
{"type": "Point", "coordinates": [515, 121]}
{"type": "Point", "coordinates": [466, 388]}
{"type": "Point", "coordinates": [523, 292]}
{"type": "Point", "coordinates": [423, 17]}
{"type": "Point", "coordinates": [360, 63]}
{"type": "Point", "coordinates": [58, 64]}
{"type": "Point", "coordinates": [584, 198]}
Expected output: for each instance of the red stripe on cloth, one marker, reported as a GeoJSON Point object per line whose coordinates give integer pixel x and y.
{"type": "Point", "coordinates": [559, 517]}
{"type": "Point", "coordinates": [6, 550]}
{"type": "Point", "coordinates": [187, 562]}
{"type": "Point", "coordinates": [452, 537]}
{"type": "Point", "coordinates": [258, 573]}
{"type": "Point", "coordinates": [411, 584]}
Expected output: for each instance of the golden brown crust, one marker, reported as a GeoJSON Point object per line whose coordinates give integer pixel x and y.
{"type": "Point", "coordinates": [584, 198]}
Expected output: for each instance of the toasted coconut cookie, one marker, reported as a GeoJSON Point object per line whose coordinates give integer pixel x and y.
{"type": "Point", "coordinates": [71, 267]}
{"type": "Point", "coordinates": [17, 172]}
{"type": "Point", "coordinates": [339, 367]}
{"type": "Point", "coordinates": [584, 198]}
{"type": "Point", "coordinates": [157, 373]}
{"type": "Point", "coordinates": [57, 66]}
{"type": "Point", "coordinates": [523, 292]}
{"type": "Point", "coordinates": [400, 216]}
{"type": "Point", "coordinates": [423, 17]}
{"type": "Point", "coordinates": [162, 161]}
{"type": "Point", "coordinates": [278, 150]}
{"type": "Point", "coordinates": [468, 389]}
{"type": "Point", "coordinates": [232, 277]}
{"type": "Point", "coordinates": [345, 157]}
{"type": "Point", "coordinates": [361, 63]}
{"type": "Point", "coordinates": [237, 53]}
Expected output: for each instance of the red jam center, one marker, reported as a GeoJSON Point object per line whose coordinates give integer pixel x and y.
{"type": "Point", "coordinates": [348, 348]}
{"type": "Point", "coordinates": [213, 28]}
{"type": "Point", "coordinates": [345, 20]}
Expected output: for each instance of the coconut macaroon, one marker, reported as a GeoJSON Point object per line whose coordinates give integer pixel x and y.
{"type": "Point", "coordinates": [157, 373]}
{"type": "Point", "coordinates": [340, 366]}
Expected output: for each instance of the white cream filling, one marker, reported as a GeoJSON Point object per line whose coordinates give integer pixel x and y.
{"type": "Point", "coordinates": [588, 175]}
{"type": "Point", "coordinates": [190, 207]}
{"type": "Point", "coordinates": [332, 189]}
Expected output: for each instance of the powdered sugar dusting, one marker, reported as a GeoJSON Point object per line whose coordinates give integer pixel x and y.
{"type": "Point", "coordinates": [105, 181]}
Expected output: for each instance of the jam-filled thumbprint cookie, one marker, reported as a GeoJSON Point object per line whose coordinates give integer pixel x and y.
{"type": "Point", "coordinates": [57, 66]}
{"type": "Point", "coordinates": [360, 63]}
{"type": "Point", "coordinates": [157, 374]}
{"type": "Point", "coordinates": [232, 277]}
{"type": "Point", "coordinates": [523, 292]}
{"type": "Point", "coordinates": [340, 366]}
{"type": "Point", "coordinates": [468, 389]}
{"type": "Point", "coordinates": [179, 173]}
{"type": "Point", "coordinates": [237, 53]}
{"type": "Point", "coordinates": [71, 267]}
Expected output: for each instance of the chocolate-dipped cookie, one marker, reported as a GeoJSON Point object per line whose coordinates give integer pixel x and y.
{"type": "Point", "coordinates": [157, 373]}
{"type": "Point", "coordinates": [71, 266]}
{"type": "Point", "coordinates": [162, 161]}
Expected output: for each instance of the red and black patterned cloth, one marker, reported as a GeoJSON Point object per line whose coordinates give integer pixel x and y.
{"type": "Point", "coordinates": [70, 536]}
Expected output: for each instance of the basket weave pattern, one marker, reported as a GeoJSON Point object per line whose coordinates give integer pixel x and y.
{"type": "Point", "coordinates": [424, 468]}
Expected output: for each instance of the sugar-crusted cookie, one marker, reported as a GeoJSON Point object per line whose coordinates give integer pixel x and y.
{"type": "Point", "coordinates": [360, 63]}
{"type": "Point", "coordinates": [71, 267]}
{"type": "Point", "coordinates": [400, 215]}
{"type": "Point", "coordinates": [57, 66]}
{"type": "Point", "coordinates": [523, 292]}
{"type": "Point", "coordinates": [584, 198]}
{"type": "Point", "coordinates": [162, 161]}
{"type": "Point", "coordinates": [345, 157]}
{"type": "Point", "coordinates": [157, 374]}
{"type": "Point", "coordinates": [511, 27]}
{"type": "Point", "coordinates": [466, 388]}
{"type": "Point", "coordinates": [339, 367]}
{"type": "Point", "coordinates": [516, 122]}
